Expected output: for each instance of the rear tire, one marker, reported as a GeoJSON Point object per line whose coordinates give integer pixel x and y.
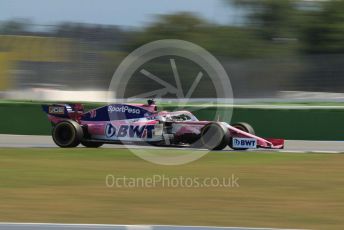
{"type": "Point", "coordinates": [67, 134]}
{"type": "Point", "coordinates": [214, 136]}
{"type": "Point", "coordinates": [90, 144]}
{"type": "Point", "coordinates": [244, 127]}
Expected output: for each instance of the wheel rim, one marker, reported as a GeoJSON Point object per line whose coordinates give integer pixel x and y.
{"type": "Point", "coordinates": [64, 134]}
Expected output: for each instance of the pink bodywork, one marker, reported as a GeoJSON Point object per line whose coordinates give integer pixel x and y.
{"type": "Point", "coordinates": [195, 127]}
{"type": "Point", "coordinates": [181, 127]}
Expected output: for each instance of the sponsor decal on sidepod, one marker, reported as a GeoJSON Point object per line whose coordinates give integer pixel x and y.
{"type": "Point", "coordinates": [132, 131]}
{"type": "Point", "coordinates": [123, 109]}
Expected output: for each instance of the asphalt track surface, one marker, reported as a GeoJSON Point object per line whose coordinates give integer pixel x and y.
{"type": "Point", "coordinates": [48, 226]}
{"type": "Point", "coordinates": [32, 141]}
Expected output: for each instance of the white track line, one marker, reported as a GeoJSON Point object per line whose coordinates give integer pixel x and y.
{"type": "Point", "coordinates": [127, 227]}
{"type": "Point", "coordinates": [303, 151]}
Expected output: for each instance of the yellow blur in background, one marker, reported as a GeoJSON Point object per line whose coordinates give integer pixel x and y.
{"type": "Point", "coordinates": [31, 49]}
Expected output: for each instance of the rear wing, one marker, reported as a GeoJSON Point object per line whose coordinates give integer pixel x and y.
{"type": "Point", "coordinates": [66, 111]}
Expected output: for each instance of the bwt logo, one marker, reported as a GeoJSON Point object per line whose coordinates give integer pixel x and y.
{"type": "Point", "coordinates": [247, 142]}
{"type": "Point", "coordinates": [144, 131]}
{"type": "Point", "coordinates": [244, 142]}
{"type": "Point", "coordinates": [123, 109]}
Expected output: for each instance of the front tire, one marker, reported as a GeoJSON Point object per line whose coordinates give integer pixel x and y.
{"type": "Point", "coordinates": [214, 136]}
{"type": "Point", "coordinates": [244, 127]}
{"type": "Point", "coordinates": [67, 134]}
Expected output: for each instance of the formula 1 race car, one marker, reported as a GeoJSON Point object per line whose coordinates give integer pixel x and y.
{"type": "Point", "coordinates": [142, 123]}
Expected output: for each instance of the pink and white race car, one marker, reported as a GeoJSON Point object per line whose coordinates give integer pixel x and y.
{"type": "Point", "coordinates": [143, 124]}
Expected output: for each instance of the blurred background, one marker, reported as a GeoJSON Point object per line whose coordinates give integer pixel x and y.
{"type": "Point", "coordinates": [273, 50]}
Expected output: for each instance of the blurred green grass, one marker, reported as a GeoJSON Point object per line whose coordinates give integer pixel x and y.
{"type": "Point", "coordinates": [293, 190]}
